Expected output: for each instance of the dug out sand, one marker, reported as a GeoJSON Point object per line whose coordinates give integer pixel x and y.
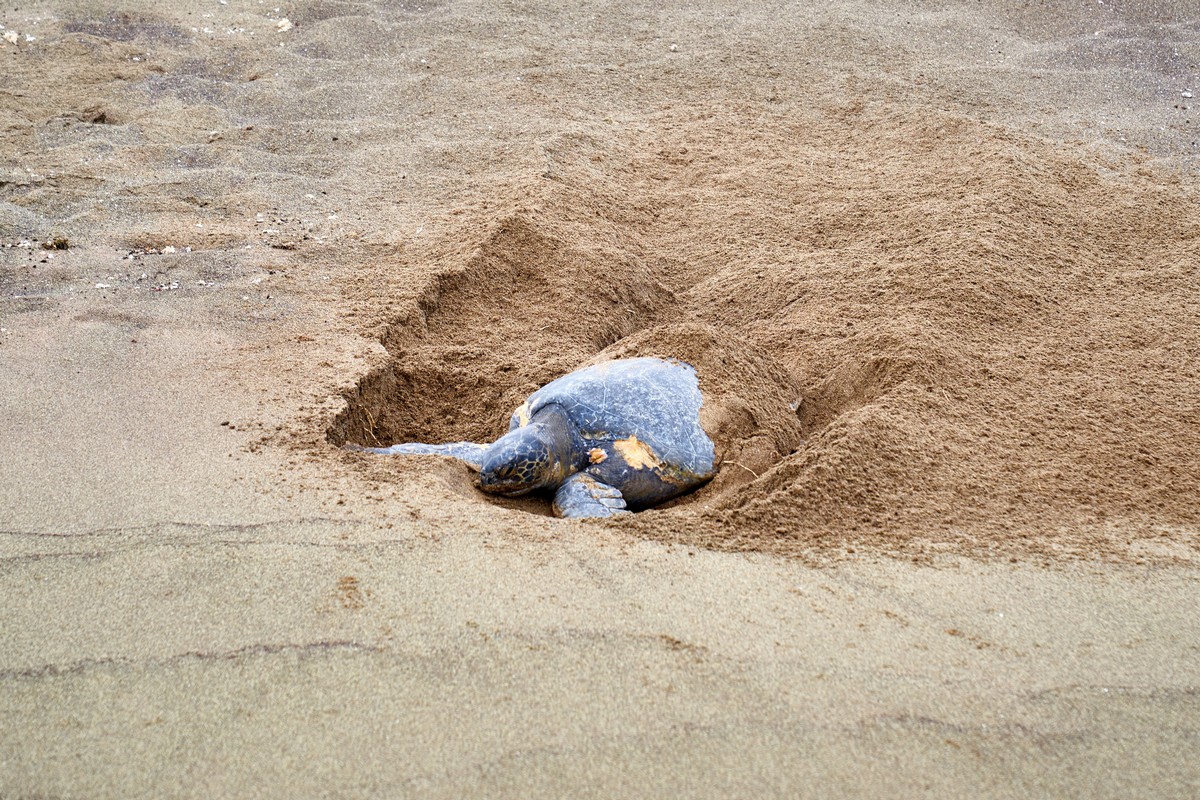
{"type": "Point", "coordinates": [937, 268]}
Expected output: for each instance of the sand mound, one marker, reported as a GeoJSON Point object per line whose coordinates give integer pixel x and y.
{"type": "Point", "coordinates": [912, 327]}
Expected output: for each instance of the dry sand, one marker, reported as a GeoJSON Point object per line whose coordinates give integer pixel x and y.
{"type": "Point", "coordinates": [937, 266]}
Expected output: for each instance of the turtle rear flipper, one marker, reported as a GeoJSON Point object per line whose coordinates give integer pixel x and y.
{"type": "Point", "coordinates": [468, 452]}
{"type": "Point", "coordinates": [583, 496]}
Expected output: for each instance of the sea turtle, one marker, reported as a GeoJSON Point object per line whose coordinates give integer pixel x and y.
{"type": "Point", "coordinates": [609, 438]}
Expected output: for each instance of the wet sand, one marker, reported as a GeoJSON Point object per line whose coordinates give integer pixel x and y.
{"type": "Point", "coordinates": [962, 243]}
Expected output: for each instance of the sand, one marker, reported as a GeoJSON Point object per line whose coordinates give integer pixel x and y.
{"type": "Point", "coordinates": [936, 266]}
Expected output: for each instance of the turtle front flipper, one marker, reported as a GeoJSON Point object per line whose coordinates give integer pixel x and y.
{"type": "Point", "coordinates": [583, 496]}
{"type": "Point", "coordinates": [469, 452]}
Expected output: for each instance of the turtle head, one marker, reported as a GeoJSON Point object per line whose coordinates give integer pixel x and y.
{"type": "Point", "coordinates": [536, 456]}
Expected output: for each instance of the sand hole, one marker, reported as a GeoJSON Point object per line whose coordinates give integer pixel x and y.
{"type": "Point", "coordinates": [982, 367]}
{"type": "Point", "coordinates": [528, 307]}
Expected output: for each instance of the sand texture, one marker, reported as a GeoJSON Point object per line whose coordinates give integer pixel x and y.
{"type": "Point", "coordinates": [937, 265]}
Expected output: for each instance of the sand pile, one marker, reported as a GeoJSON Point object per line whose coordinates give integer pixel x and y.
{"type": "Point", "coordinates": [918, 327]}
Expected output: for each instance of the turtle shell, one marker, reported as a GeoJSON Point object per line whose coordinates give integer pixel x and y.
{"type": "Point", "coordinates": [640, 421]}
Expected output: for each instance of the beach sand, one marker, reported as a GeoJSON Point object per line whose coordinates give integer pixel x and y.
{"type": "Point", "coordinates": [936, 265]}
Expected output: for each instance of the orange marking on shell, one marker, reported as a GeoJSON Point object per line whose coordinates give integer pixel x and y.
{"type": "Point", "coordinates": [637, 454]}
{"type": "Point", "coordinates": [596, 455]}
